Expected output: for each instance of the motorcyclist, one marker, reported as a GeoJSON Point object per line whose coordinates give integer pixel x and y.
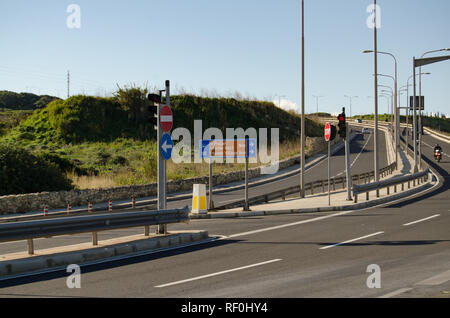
{"type": "Point", "coordinates": [437, 150]}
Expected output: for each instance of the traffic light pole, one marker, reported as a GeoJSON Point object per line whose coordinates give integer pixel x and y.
{"type": "Point", "coordinates": [162, 179]}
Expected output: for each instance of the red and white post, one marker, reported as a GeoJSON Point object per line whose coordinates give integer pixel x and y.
{"type": "Point", "coordinates": [109, 206]}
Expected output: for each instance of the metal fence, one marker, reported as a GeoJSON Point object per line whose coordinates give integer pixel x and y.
{"type": "Point", "coordinates": [315, 187]}
{"type": "Point", "coordinates": [29, 230]}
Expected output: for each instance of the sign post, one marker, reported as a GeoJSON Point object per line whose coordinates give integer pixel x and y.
{"type": "Point", "coordinates": [165, 148]}
{"type": "Point", "coordinates": [330, 134]}
{"type": "Point", "coordinates": [229, 148]}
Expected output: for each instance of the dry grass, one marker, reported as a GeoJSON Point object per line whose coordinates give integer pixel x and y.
{"type": "Point", "coordinates": [93, 182]}
{"type": "Point", "coordinates": [174, 171]}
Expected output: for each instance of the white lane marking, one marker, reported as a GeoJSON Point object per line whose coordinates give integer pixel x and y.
{"type": "Point", "coordinates": [352, 240]}
{"type": "Point", "coordinates": [396, 292]}
{"type": "Point", "coordinates": [277, 227]}
{"type": "Point", "coordinates": [217, 273]}
{"type": "Point", "coordinates": [436, 280]}
{"type": "Point", "coordinates": [421, 220]}
{"type": "Point", "coordinates": [368, 139]}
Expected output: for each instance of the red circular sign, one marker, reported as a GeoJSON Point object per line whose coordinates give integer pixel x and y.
{"type": "Point", "coordinates": [327, 131]}
{"type": "Point", "coordinates": [166, 118]}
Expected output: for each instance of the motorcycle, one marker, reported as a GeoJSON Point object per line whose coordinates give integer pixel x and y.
{"type": "Point", "coordinates": [437, 155]}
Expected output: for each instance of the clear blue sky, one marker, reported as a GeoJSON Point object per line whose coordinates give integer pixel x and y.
{"type": "Point", "coordinates": [222, 47]}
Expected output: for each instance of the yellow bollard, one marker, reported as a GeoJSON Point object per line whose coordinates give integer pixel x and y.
{"type": "Point", "coordinates": [199, 199]}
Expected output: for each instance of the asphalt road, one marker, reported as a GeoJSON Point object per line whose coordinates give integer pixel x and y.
{"type": "Point", "coordinates": [361, 158]}
{"type": "Point", "coordinates": [304, 255]}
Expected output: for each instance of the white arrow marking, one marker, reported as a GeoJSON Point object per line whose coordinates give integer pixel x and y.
{"type": "Point", "coordinates": [165, 146]}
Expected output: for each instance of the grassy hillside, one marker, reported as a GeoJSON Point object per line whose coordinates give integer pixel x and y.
{"type": "Point", "coordinates": [109, 139]}
{"type": "Point", "coordinates": [23, 101]}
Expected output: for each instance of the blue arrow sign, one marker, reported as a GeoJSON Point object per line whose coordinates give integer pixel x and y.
{"type": "Point", "coordinates": [166, 146]}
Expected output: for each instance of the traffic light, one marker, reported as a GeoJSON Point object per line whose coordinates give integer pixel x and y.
{"type": "Point", "coordinates": [342, 125]}
{"type": "Point", "coordinates": [155, 101]}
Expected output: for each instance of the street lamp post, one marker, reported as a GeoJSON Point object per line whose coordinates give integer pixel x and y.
{"type": "Point", "coordinates": [317, 102]}
{"type": "Point", "coordinates": [420, 103]}
{"type": "Point", "coordinates": [302, 133]}
{"type": "Point", "coordinates": [350, 97]}
{"type": "Point", "coordinates": [396, 130]}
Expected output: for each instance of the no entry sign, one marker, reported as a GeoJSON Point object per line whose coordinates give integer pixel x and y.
{"type": "Point", "coordinates": [166, 118]}
{"type": "Point", "coordinates": [327, 131]}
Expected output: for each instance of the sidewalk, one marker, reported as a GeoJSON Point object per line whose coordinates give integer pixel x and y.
{"type": "Point", "coordinates": [319, 202]}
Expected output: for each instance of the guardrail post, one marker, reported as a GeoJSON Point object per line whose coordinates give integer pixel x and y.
{"type": "Point", "coordinates": [395, 188]}
{"type": "Point", "coordinates": [334, 185]}
{"type": "Point", "coordinates": [355, 195]}
{"type": "Point", "coordinates": [387, 190]}
{"type": "Point", "coordinates": [403, 186]}
{"type": "Point", "coordinates": [367, 196]}
{"type": "Point", "coordinates": [409, 184]}
{"type": "Point", "coordinates": [343, 183]}
{"type": "Point", "coordinates": [323, 187]}
{"type": "Point", "coordinates": [94, 238]}
{"type": "Point", "coordinates": [312, 188]}
{"type": "Point", "coordinates": [146, 230]}
{"type": "Point", "coordinates": [30, 247]}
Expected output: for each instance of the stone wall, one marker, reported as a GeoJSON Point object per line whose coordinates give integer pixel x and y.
{"type": "Point", "coordinates": [36, 201]}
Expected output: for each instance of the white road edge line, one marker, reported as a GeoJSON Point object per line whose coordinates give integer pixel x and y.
{"type": "Point", "coordinates": [353, 240]}
{"type": "Point", "coordinates": [218, 273]}
{"type": "Point", "coordinates": [436, 280]}
{"type": "Point", "coordinates": [396, 293]}
{"type": "Point", "coordinates": [421, 220]}
{"type": "Point", "coordinates": [356, 158]}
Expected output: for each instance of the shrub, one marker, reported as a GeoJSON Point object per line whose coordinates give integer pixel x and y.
{"type": "Point", "coordinates": [23, 172]}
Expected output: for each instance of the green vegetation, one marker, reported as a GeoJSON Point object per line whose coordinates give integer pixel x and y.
{"type": "Point", "coordinates": [23, 101]}
{"type": "Point", "coordinates": [100, 142]}
{"type": "Point", "coordinates": [23, 172]}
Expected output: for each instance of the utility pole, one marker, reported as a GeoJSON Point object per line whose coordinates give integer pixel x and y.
{"type": "Point", "coordinates": [375, 135]}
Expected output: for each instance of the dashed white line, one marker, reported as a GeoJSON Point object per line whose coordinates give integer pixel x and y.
{"type": "Point", "coordinates": [352, 240]}
{"type": "Point", "coordinates": [422, 220]}
{"type": "Point", "coordinates": [218, 273]}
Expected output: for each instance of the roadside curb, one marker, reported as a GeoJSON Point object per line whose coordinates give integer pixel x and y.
{"type": "Point", "coordinates": [58, 261]}
{"type": "Point", "coordinates": [357, 206]}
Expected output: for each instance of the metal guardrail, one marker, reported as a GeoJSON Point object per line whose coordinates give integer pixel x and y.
{"type": "Point", "coordinates": [30, 230]}
{"type": "Point", "coordinates": [393, 182]}
{"type": "Point", "coordinates": [322, 185]}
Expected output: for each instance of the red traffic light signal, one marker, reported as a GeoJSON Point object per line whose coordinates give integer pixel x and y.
{"type": "Point", "coordinates": [342, 125]}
